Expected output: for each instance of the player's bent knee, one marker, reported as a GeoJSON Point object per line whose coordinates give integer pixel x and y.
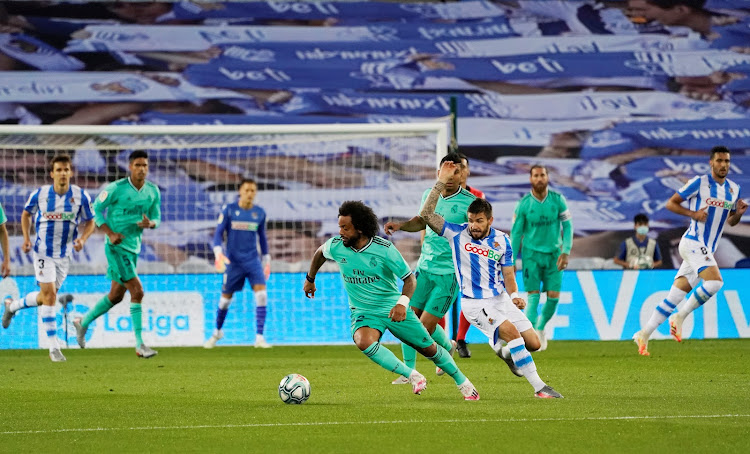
{"type": "Point", "coordinates": [136, 295]}
{"type": "Point", "coordinates": [713, 287]}
{"type": "Point", "coordinates": [429, 351]}
{"type": "Point", "coordinates": [261, 298]}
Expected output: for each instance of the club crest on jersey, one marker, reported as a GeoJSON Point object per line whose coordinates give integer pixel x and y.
{"type": "Point", "coordinates": [373, 262]}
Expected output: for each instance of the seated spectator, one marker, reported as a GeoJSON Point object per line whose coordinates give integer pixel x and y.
{"type": "Point", "coordinates": [639, 251]}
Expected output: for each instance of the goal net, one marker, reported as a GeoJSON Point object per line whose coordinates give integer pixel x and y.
{"type": "Point", "coordinates": [303, 172]}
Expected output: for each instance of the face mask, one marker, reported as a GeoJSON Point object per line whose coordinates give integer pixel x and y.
{"type": "Point", "coordinates": [641, 229]}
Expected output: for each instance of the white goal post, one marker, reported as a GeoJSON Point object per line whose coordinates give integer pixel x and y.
{"type": "Point", "coordinates": [303, 173]}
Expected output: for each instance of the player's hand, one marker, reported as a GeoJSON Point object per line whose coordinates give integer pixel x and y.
{"type": "Point", "coordinates": [700, 215]}
{"type": "Point", "coordinates": [6, 267]}
{"type": "Point", "coordinates": [26, 246]}
{"type": "Point", "coordinates": [391, 227]}
{"type": "Point", "coordinates": [398, 313]}
{"type": "Point", "coordinates": [519, 303]}
{"type": "Point", "coordinates": [78, 244]}
{"type": "Point", "coordinates": [221, 262]}
{"type": "Point", "coordinates": [741, 207]}
{"type": "Point", "coordinates": [309, 289]}
{"type": "Point", "coordinates": [447, 170]}
{"type": "Point", "coordinates": [562, 262]}
{"type": "Point", "coordinates": [266, 262]}
{"type": "Point", "coordinates": [115, 238]}
{"type": "Point", "coordinates": [145, 223]}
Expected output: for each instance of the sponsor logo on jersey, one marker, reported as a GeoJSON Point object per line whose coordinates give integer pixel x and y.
{"type": "Point", "coordinates": [718, 203]}
{"type": "Point", "coordinates": [240, 225]}
{"type": "Point", "coordinates": [58, 216]}
{"type": "Point", "coordinates": [483, 251]}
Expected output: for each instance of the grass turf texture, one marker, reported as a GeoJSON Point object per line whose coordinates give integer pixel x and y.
{"type": "Point", "coordinates": [681, 399]}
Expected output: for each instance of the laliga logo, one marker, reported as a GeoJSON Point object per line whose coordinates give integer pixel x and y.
{"type": "Point", "coordinates": [483, 251]}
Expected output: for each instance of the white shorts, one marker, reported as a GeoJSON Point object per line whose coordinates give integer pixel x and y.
{"type": "Point", "coordinates": [489, 313]}
{"type": "Point", "coordinates": [695, 257]}
{"type": "Point", "coordinates": [49, 270]}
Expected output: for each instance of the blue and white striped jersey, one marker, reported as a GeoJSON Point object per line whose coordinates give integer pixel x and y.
{"type": "Point", "coordinates": [56, 218]}
{"type": "Point", "coordinates": [721, 199]}
{"type": "Point", "coordinates": [478, 262]}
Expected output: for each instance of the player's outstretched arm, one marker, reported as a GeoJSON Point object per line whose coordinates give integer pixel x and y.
{"type": "Point", "coordinates": [398, 312]}
{"type": "Point", "coordinates": [414, 224]}
{"type": "Point", "coordinates": [317, 261]}
{"type": "Point", "coordinates": [428, 215]}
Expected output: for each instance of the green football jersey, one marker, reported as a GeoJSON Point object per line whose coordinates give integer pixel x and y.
{"type": "Point", "coordinates": [537, 224]}
{"type": "Point", "coordinates": [436, 256]}
{"type": "Point", "coordinates": [370, 274]}
{"type": "Point", "coordinates": [3, 218]}
{"type": "Point", "coordinates": [125, 206]}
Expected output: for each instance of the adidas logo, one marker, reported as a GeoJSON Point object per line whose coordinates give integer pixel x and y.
{"type": "Point", "coordinates": [343, 260]}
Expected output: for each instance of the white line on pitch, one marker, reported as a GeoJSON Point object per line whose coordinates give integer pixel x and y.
{"type": "Point", "coordinates": [341, 423]}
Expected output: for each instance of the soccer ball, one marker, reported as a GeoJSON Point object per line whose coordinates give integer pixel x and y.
{"type": "Point", "coordinates": [294, 389]}
{"type": "Point", "coordinates": [642, 263]}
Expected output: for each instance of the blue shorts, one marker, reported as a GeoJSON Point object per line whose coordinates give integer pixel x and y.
{"type": "Point", "coordinates": [237, 272]}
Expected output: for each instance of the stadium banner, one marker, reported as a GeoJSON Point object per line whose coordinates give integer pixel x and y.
{"type": "Point", "coordinates": [371, 51]}
{"type": "Point", "coordinates": [594, 305]}
{"type": "Point", "coordinates": [567, 106]}
{"type": "Point", "coordinates": [610, 64]}
{"type": "Point", "coordinates": [53, 86]}
{"type": "Point", "coordinates": [373, 11]}
{"type": "Point", "coordinates": [571, 44]}
{"type": "Point", "coordinates": [701, 134]}
{"type": "Point", "coordinates": [141, 38]}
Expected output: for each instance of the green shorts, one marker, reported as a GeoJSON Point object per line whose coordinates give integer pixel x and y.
{"type": "Point", "coordinates": [434, 293]}
{"type": "Point", "coordinates": [410, 331]}
{"type": "Point", "coordinates": [120, 264]}
{"type": "Point", "coordinates": [539, 269]}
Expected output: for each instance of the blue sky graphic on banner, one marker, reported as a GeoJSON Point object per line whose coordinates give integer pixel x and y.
{"type": "Point", "coordinates": [621, 107]}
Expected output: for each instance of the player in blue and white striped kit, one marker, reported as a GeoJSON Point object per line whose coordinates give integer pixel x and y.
{"type": "Point", "coordinates": [245, 228]}
{"type": "Point", "coordinates": [58, 210]}
{"type": "Point", "coordinates": [483, 260]}
{"type": "Point", "coordinates": [713, 201]}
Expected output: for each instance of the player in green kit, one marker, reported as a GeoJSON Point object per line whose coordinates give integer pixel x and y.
{"type": "Point", "coordinates": [122, 210]}
{"type": "Point", "coordinates": [537, 221]}
{"type": "Point", "coordinates": [437, 288]}
{"type": "Point", "coordinates": [370, 267]}
{"type": "Point", "coordinates": [5, 244]}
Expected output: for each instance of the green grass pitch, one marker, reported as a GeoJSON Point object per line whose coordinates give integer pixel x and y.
{"type": "Point", "coordinates": [690, 397]}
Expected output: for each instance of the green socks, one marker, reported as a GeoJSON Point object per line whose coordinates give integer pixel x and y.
{"type": "Point", "coordinates": [410, 355]}
{"type": "Point", "coordinates": [547, 312]}
{"type": "Point", "coordinates": [383, 358]}
{"type": "Point", "coordinates": [531, 308]}
{"type": "Point", "coordinates": [444, 361]}
{"type": "Point", "coordinates": [102, 306]}
{"type": "Point", "coordinates": [135, 315]}
{"type": "Point", "coordinates": [439, 336]}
